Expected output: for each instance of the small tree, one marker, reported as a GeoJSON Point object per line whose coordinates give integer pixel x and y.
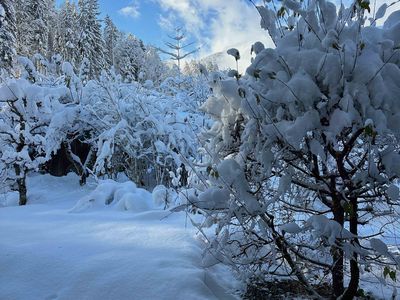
{"type": "Point", "coordinates": [25, 114]}
{"type": "Point", "coordinates": [176, 48]}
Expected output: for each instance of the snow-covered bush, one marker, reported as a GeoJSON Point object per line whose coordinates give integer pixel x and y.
{"type": "Point", "coordinates": [194, 89]}
{"type": "Point", "coordinates": [305, 147]}
{"type": "Point", "coordinates": [26, 112]}
{"type": "Point", "coordinates": [139, 131]}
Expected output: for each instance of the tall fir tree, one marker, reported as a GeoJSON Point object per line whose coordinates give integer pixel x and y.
{"type": "Point", "coordinates": [22, 28]}
{"type": "Point", "coordinates": [129, 57]}
{"type": "Point", "coordinates": [52, 24]}
{"type": "Point", "coordinates": [91, 44]}
{"type": "Point", "coordinates": [110, 36]}
{"type": "Point", "coordinates": [67, 40]}
{"type": "Point", "coordinates": [7, 34]}
{"type": "Point", "coordinates": [38, 20]}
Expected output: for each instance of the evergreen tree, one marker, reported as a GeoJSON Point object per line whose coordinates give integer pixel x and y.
{"type": "Point", "coordinates": [22, 28]}
{"type": "Point", "coordinates": [7, 34]}
{"type": "Point", "coordinates": [176, 48]}
{"type": "Point", "coordinates": [38, 24]}
{"type": "Point", "coordinates": [66, 32]}
{"type": "Point", "coordinates": [111, 35]}
{"type": "Point", "coordinates": [129, 57]}
{"type": "Point", "coordinates": [91, 45]}
{"type": "Point", "coordinates": [52, 24]}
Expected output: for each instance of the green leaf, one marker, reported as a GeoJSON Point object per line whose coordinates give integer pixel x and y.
{"type": "Point", "coordinates": [361, 293]}
{"type": "Point", "coordinates": [386, 272]}
{"type": "Point", "coordinates": [348, 209]}
{"type": "Point", "coordinates": [369, 131]}
{"type": "Point", "coordinates": [392, 275]}
{"type": "Point", "coordinates": [281, 12]}
{"type": "Point", "coordinates": [365, 5]}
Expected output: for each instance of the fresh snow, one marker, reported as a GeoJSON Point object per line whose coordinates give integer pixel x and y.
{"type": "Point", "coordinates": [48, 251]}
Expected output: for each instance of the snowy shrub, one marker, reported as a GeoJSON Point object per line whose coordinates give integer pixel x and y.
{"type": "Point", "coordinates": [139, 131]}
{"type": "Point", "coordinates": [26, 112]}
{"type": "Point", "coordinates": [305, 148]}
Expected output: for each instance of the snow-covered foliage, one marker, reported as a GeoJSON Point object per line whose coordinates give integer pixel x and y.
{"type": "Point", "coordinates": [144, 129]}
{"type": "Point", "coordinates": [26, 112]}
{"type": "Point", "coordinates": [307, 143]}
{"type": "Point", "coordinates": [137, 130]}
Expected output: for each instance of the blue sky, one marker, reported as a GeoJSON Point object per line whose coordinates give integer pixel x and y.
{"type": "Point", "coordinates": [144, 24]}
{"type": "Point", "coordinates": [215, 25]}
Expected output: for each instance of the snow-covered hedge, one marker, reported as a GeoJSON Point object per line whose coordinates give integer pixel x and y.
{"type": "Point", "coordinates": [146, 131]}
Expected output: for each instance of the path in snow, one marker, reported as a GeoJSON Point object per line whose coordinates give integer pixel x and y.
{"type": "Point", "coordinates": [48, 253]}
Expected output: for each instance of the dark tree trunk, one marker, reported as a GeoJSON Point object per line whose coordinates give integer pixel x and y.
{"type": "Point", "coordinates": [352, 289]}
{"type": "Point", "coordinates": [21, 182]}
{"type": "Point", "coordinates": [184, 176]}
{"type": "Point", "coordinates": [77, 164]}
{"type": "Point", "coordinates": [337, 253]}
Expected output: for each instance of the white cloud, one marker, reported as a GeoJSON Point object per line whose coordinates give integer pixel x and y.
{"type": "Point", "coordinates": [217, 24]}
{"type": "Point", "coordinates": [375, 5]}
{"type": "Point", "coordinates": [131, 10]}
{"type": "Point", "coordinates": [395, 6]}
{"type": "Point", "coordinates": [220, 24]}
{"type": "Point", "coordinates": [167, 23]}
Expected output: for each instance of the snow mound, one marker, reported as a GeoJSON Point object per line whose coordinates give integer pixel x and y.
{"type": "Point", "coordinates": [160, 195]}
{"type": "Point", "coordinates": [122, 196]}
{"type": "Point", "coordinates": [9, 199]}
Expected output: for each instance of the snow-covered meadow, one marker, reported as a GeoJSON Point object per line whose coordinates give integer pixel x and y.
{"type": "Point", "coordinates": [50, 250]}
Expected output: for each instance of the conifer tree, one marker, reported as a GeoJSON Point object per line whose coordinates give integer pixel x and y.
{"type": "Point", "coordinates": [38, 14]}
{"type": "Point", "coordinates": [66, 32]}
{"type": "Point", "coordinates": [110, 35]}
{"type": "Point", "coordinates": [7, 34]}
{"type": "Point", "coordinates": [91, 45]}
{"type": "Point", "coordinates": [22, 28]}
{"type": "Point", "coordinates": [129, 56]}
{"type": "Point", "coordinates": [176, 48]}
{"type": "Point", "coordinates": [51, 24]}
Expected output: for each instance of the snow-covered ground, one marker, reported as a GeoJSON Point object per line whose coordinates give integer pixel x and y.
{"type": "Point", "coordinates": [48, 251]}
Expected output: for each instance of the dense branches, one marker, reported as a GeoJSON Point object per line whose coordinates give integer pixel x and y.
{"type": "Point", "coordinates": [310, 128]}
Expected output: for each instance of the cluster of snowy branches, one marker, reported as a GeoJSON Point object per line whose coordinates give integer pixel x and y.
{"type": "Point", "coordinates": [74, 33]}
{"type": "Point", "coordinates": [304, 151]}
{"type": "Point", "coordinates": [147, 132]}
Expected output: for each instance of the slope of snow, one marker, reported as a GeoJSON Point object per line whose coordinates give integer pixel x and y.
{"type": "Point", "coordinates": [49, 252]}
{"type": "Point", "coordinates": [225, 61]}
